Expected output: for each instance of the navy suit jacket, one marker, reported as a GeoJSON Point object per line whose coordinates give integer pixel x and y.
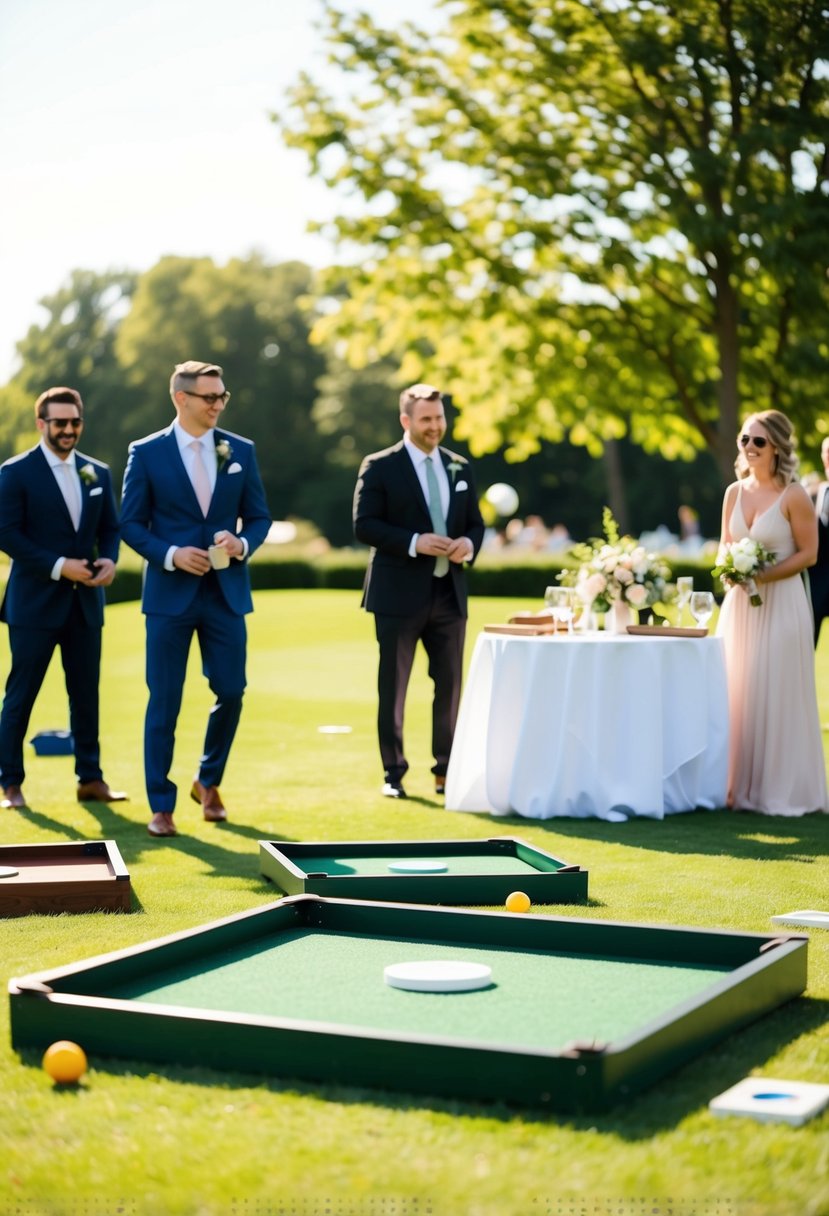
{"type": "Point", "coordinates": [389, 507]}
{"type": "Point", "coordinates": [159, 508]}
{"type": "Point", "coordinates": [36, 529]}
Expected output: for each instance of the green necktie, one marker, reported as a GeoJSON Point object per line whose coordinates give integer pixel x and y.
{"type": "Point", "coordinates": [436, 512]}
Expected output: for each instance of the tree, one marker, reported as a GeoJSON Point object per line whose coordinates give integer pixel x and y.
{"type": "Point", "coordinates": [247, 317]}
{"type": "Point", "coordinates": [74, 346]}
{"type": "Point", "coordinates": [592, 217]}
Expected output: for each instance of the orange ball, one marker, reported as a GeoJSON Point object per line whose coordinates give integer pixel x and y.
{"type": "Point", "coordinates": [518, 901]}
{"type": "Point", "coordinates": [65, 1062]}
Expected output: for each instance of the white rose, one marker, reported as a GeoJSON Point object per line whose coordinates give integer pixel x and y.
{"type": "Point", "coordinates": [743, 562]}
{"type": "Point", "coordinates": [637, 595]}
{"type": "Point", "coordinates": [623, 575]}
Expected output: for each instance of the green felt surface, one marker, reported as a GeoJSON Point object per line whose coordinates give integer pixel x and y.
{"type": "Point", "coordinates": [373, 865]}
{"type": "Point", "coordinates": [537, 1000]}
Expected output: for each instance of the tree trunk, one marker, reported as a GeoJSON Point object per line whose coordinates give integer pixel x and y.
{"type": "Point", "coordinates": [616, 494]}
{"type": "Point", "coordinates": [728, 393]}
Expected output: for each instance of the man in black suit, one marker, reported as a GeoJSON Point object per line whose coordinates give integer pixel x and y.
{"type": "Point", "coordinates": [819, 573]}
{"type": "Point", "coordinates": [59, 525]}
{"type": "Point", "coordinates": [416, 505]}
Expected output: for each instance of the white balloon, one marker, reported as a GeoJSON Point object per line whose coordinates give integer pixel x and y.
{"type": "Point", "coordinates": [503, 498]}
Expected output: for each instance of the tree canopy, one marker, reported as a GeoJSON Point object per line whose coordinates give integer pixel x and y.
{"type": "Point", "coordinates": [586, 217]}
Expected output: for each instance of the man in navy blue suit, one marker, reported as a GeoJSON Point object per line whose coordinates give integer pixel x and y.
{"type": "Point", "coordinates": [416, 505]}
{"type": "Point", "coordinates": [59, 525]}
{"type": "Point", "coordinates": [194, 508]}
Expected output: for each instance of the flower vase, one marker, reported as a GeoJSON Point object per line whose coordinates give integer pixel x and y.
{"type": "Point", "coordinates": [619, 617]}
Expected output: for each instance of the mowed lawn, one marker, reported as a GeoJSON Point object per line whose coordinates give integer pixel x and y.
{"type": "Point", "coordinates": [144, 1139]}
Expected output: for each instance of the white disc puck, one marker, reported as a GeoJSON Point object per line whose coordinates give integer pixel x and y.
{"type": "Point", "coordinates": [424, 865]}
{"type": "Point", "coordinates": [8, 871]}
{"type": "Point", "coordinates": [441, 976]}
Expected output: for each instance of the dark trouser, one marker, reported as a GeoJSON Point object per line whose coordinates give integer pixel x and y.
{"type": "Point", "coordinates": [222, 639]}
{"type": "Point", "coordinates": [31, 653]}
{"type": "Point", "coordinates": [442, 631]}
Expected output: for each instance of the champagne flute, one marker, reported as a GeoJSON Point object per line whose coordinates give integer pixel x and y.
{"type": "Point", "coordinates": [560, 602]}
{"type": "Point", "coordinates": [684, 590]}
{"type": "Point", "coordinates": [702, 607]}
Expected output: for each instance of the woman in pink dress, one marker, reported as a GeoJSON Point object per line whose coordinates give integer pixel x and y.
{"type": "Point", "coordinates": [776, 763]}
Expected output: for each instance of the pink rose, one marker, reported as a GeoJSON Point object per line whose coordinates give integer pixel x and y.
{"type": "Point", "coordinates": [637, 595]}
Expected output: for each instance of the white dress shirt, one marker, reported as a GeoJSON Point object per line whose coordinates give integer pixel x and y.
{"type": "Point", "coordinates": [58, 468]}
{"type": "Point", "coordinates": [188, 456]}
{"type": "Point", "coordinates": [418, 459]}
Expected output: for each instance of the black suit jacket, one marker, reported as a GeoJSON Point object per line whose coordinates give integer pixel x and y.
{"type": "Point", "coordinates": [389, 507]}
{"type": "Point", "coordinates": [36, 529]}
{"type": "Point", "coordinates": [819, 573]}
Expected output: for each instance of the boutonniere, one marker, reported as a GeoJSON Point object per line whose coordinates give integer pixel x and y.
{"type": "Point", "coordinates": [88, 475]}
{"type": "Point", "coordinates": [223, 454]}
{"type": "Point", "coordinates": [454, 468]}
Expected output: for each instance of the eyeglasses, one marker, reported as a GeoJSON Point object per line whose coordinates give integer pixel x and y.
{"type": "Point", "coordinates": [758, 441]}
{"type": "Point", "coordinates": [62, 423]}
{"type": "Point", "coordinates": [211, 398]}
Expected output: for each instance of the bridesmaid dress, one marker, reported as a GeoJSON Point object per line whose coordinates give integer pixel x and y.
{"type": "Point", "coordinates": [776, 763]}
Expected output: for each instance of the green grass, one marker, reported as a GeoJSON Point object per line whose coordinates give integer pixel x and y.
{"type": "Point", "coordinates": [142, 1140]}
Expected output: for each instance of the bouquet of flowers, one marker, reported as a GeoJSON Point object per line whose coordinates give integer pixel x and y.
{"type": "Point", "coordinates": [615, 569]}
{"type": "Point", "coordinates": [739, 561]}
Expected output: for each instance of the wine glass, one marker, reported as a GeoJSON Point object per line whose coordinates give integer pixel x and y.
{"type": "Point", "coordinates": [560, 602]}
{"type": "Point", "coordinates": [702, 607]}
{"type": "Point", "coordinates": [684, 589]}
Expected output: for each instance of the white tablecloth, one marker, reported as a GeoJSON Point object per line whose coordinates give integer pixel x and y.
{"type": "Point", "coordinates": [592, 726]}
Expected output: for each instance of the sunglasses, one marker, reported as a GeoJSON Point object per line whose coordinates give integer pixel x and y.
{"type": "Point", "coordinates": [211, 398]}
{"type": "Point", "coordinates": [62, 423]}
{"type": "Point", "coordinates": [758, 441]}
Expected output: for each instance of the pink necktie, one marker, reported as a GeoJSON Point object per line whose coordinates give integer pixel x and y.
{"type": "Point", "coordinates": [201, 482]}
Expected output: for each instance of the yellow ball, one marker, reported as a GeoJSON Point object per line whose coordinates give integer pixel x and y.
{"type": "Point", "coordinates": [518, 901]}
{"type": "Point", "coordinates": [65, 1062]}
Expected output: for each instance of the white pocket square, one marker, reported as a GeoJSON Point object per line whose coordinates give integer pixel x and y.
{"type": "Point", "coordinates": [462, 485]}
{"type": "Point", "coordinates": [99, 490]}
{"type": "Point", "coordinates": [235, 467]}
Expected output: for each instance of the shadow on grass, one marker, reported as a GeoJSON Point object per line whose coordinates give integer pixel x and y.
{"type": "Point", "coordinates": [659, 1108]}
{"type": "Point", "coordinates": [134, 842]}
{"type": "Point", "coordinates": [741, 834]}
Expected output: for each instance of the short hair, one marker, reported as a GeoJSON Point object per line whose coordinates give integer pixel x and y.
{"type": "Point", "coordinates": [418, 392]}
{"type": "Point", "coordinates": [58, 396]}
{"type": "Point", "coordinates": [782, 438]}
{"type": "Point", "coordinates": [187, 373]}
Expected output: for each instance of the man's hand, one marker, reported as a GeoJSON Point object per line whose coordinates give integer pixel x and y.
{"type": "Point", "coordinates": [433, 545]}
{"type": "Point", "coordinates": [103, 572]}
{"type": "Point", "coordinates": [191, 559]}
{"type": "Point", "coordinates": [226, 540]}
{"type": "Point", "coordinates": [460, 550]}
{"type": "Point", "coordinates": [76, 570]}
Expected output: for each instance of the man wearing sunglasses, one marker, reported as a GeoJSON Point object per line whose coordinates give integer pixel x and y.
{"type": "Point", "coordinates": [194, 508]}
{"type": "Point", "coordinates": [59, 525]}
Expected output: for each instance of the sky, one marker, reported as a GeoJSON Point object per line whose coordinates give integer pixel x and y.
{"type": "Point", "coordinates": [131, 129]}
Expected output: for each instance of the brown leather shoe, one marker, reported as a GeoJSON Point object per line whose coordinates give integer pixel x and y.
{"type": "Point", "coordinates": [212, 806]}
{"type": "Point", "coordinates": [13, 797]}
{"type": "Point", "coordinates": [162, 824]}
{"type": "Point", "coordinates": [99, 791]}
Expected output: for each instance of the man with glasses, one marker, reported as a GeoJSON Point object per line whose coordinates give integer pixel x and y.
{"type": "Point", "coordinates": [194, 508]}
{"type": "Point", "coordinates": [59, 525]}
{"type": "Point", "coordinates": [416, 505]}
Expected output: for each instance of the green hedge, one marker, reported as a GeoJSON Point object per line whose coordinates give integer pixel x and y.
{"type": "Point", "coordinates": [345, 570]}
